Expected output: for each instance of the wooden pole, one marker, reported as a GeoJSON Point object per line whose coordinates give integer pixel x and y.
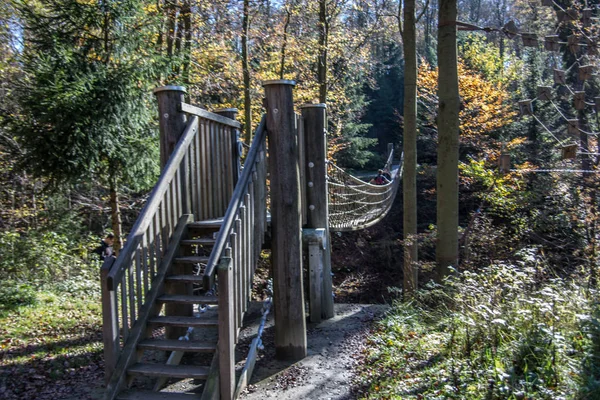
{"type": "Point", "coordinates": [315, 146]}
{"type": "Point", "coordinates": [226, 346]}
{"type": "Point", "coordinates": [171, 120]}
{"type": "Point", "coordinates": [172, 123]}
{"type": "Point", "coordinates": [110, 322]}
{"type": "Point", "coordinates": [286, 249]}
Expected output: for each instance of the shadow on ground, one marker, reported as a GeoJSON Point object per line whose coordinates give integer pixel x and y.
{"type": "Point", "coordinates": [333, 350]}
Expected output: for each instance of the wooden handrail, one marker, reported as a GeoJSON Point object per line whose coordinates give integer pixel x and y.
{"type": "Point", "coordinates": [137, 232]}
{"type": "Point", "coordinates": [234, 204]}
{"type": "Point", "coordinates": [197, 111]}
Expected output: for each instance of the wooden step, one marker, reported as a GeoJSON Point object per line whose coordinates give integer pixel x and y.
{"type": "Point", "coordinates": [192, 260]}
{"type": "Point", "coordinates": [169, 371]}
{"type": "Point", "coordinates": [149, 395]}
{"type": "Point", "coordinates": [206, 224]}
{"type": "Point", "coordinates": [198, 242]}
{"type": "Point", "coordinates": [184, 278]}
{"type": "Point", "coordinates": [187, 299]}
{"type": "Point", "coordinates": [177, 345]}
{"type": "Point", "coordinates": [185, 322]}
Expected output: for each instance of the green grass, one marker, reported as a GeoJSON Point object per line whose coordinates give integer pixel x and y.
{"type": "Point", "coordinates": [496, 334]}
{"type": "Point", "coordinates": [52, 337]}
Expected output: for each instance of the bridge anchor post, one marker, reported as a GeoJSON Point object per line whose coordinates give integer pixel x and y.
{"type": "Point", "coordinates": [315, 146]}
{"type": "Point", "coordinates": [286, 226]}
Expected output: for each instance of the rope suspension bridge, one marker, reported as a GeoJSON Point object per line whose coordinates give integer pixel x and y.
{"type": "Point", "coordinates": [197, 242]}
{"type": "Point", "coordinates": [355, 204]}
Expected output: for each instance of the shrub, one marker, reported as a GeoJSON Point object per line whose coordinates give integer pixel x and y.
{"type": "Point", "coordinates": [501, 332]}
{"type": "Point", "coordinates": [14, 294]}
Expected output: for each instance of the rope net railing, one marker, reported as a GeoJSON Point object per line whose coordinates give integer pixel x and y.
{"type": "Point", "coordinates": [355, 204]}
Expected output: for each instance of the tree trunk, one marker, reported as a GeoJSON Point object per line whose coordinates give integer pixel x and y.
{"type": "Point", "coordinates": [170, 34]}
{"type": "Point", "coordinates": [409, 178]}
{"type": "Point", "coordinates": [115, 215]}
{"type": "Point", "coordinates": [246, 74]}
{"type": "Point", "coordinates": [322, 62]}
{"type": "Point", "coordinates": [448, 131]}
{"type": "Point", "coordinates": [187, 43]}
{"type": "Point", "coordinates": [284, 45]}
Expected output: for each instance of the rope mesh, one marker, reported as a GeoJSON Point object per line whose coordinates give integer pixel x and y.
{"type": "Point", "coordinates": [355, 204]}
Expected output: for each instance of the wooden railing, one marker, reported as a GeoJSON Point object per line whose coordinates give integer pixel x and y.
{"type": "Point", "coordinates": [235, 254]}
{"type": "Point", "coordinates": [196, 183]}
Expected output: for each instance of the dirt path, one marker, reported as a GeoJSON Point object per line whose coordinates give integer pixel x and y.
{"type": "Point", "coordinates": [333, 348]}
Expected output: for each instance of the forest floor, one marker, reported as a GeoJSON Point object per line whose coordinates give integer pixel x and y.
{"type": "Point", "coordinates": [54, 351]}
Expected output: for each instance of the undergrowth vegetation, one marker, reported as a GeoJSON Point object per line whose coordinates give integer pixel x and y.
{"type": "Point", "coordinates": [497, 333]}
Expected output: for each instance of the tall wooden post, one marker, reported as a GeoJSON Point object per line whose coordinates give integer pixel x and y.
{"type": "Point", "coordinates": [172, 123]}
{"type": "Point", "coordinates": [171, 120]}
{"type": "Point", "coordinates": [236, 150]}
{"type": "Point", "coordinates": [286, 246]}
{"type": "Point", "coordinates": [315, 148]}
{"type": "Point", "coordinates": [110, 323]}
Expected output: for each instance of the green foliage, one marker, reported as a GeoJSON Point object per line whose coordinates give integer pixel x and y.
{"type": "Point", "coordinates": [13, 295]}
{"type": "Point", "coordinates": [497, 333]}
{"type": "Point", "coordinates": [39, 257]}
{"type": "Point", "coordinates": [484, 56]}
{"type": "Point", "coordinates": [85, 97]}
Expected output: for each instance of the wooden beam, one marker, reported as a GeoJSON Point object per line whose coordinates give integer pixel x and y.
{"type": "Point", "coordinates": [190, 109]}
{"type": "Point", "coordinates": [315, 143]}
{"type": "Point", "coordinates": [290, 322]}
{"type": "Point", "coordinates": [226, 346]}
{"type": "Point", "coordinates": [110, 322]}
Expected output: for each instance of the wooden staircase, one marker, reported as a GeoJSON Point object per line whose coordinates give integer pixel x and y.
{"type": "Point", "coordinates": [193, 255]}
{"type": "Point", "coordinates": [178, 256]}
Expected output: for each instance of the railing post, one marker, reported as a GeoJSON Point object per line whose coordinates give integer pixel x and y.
{"type": "Point", "coordinates": [236, 150]}
{"type": "Point", "coordinates": [110, 322]}
{"type": "Point", "coordinates": [171, 120]}
{"type": "Point", "coordinates": [315, 145]}
{"type": "Point", "coordinates": [172, 123]}
{"type": "Point", "coordinates": [286, 247]}
{"type": "Point", "coordinates": [226, 345]}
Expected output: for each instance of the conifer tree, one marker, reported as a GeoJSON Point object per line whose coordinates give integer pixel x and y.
{"type": "Point", "coordinates": [84, 96]}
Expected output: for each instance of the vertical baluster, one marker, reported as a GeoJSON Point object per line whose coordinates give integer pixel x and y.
{"type": "Point", "coordinates": [247, 250]}
{"type": "Point", "coordinates": [263, 191]}
{"type": "Point", "coordinates": [217, 169]}
{"type": "Point", "coordinates": [177, 196]}
{"type": "Point", "coordinates": [151, 252]}
{"type": "Point", "coordinates": [228, 162]}
{"type": "Point", "coordinates": [216, 173]}
{"type": "Point", "coordinates": [257, 236]}
{"type": "Point", "coordinates": [124, 313]}
{"type": "Point", "coordinates": [223, 153]}
{"type": "Point", "coordinates": [221, 173]}
{"type": "Point", "coordinates": [164, 225]}
{"type": "Point", "coordinates": [238, 272]}
{"type": "Point", "coordinates": [157, 239]}
{"type": "Point", "coordinates": [195, 176]}
{"type": "Point", "coordinates": [250, 243]}
{"type": "Point", "coordinates": [206, 194]}
{"type": "Point", "coordinates": [209, 154]}
{"type": "Point", "coordinates": [172, 219]}
{"type": "Point", "coordinates": [244, 259]}
{"type": "Point", "coordinates": [234, 271]}
{"type": "Point", "coordinates": [138, 276]}
{"type": "Point", "coordinates": [225, 162]}
{"type": "Point", "coordinates": [131, 290]}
